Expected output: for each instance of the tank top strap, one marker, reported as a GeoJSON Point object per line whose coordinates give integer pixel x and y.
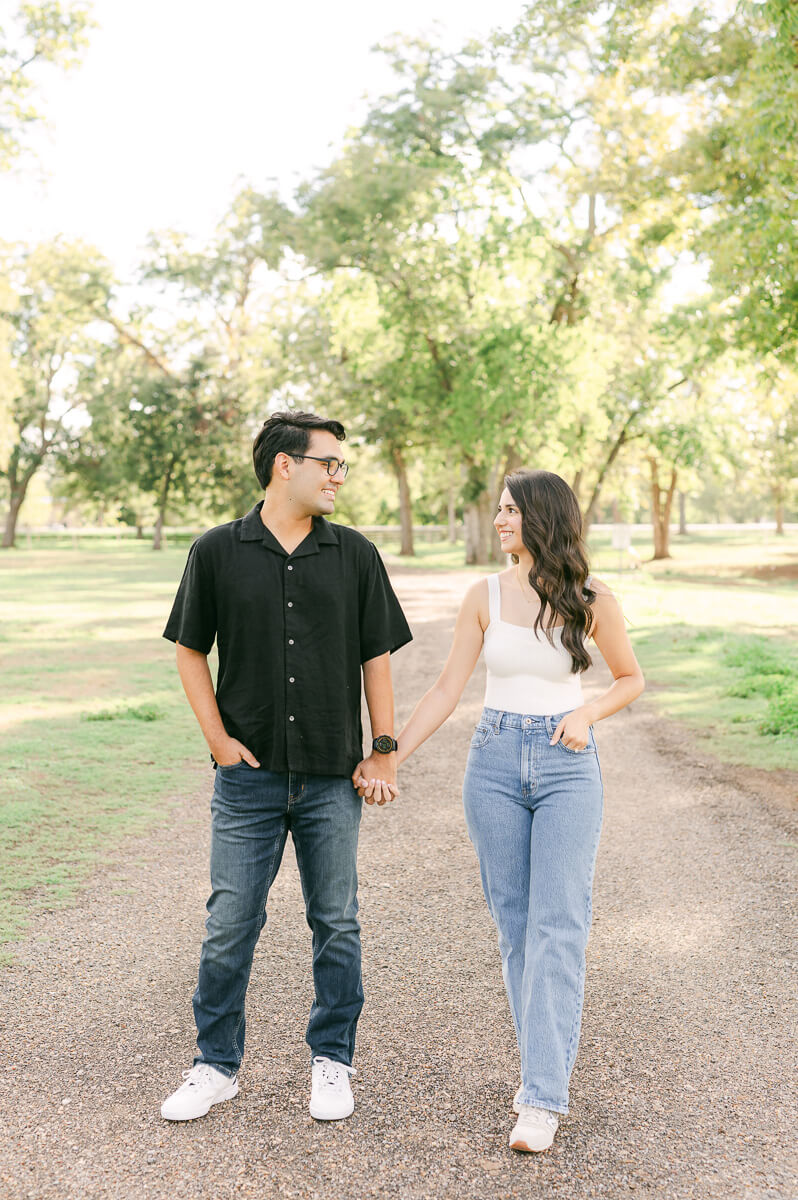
{"type": "Point", "coordinates": [494, 598]}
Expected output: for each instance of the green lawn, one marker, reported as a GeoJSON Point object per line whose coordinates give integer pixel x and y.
{"type": "Point", "coordinates": [80, 641]}
{"type": "Point", "coordinates": [716, 631]}
{"type": "Point", "coordinates": [95, 734]}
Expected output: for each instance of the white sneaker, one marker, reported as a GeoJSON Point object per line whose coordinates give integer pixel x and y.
{"type": "Point", "coordinates": [517, 1099]}
{"type": "Point", "coordinates": [331, 1096]}
{"type": "Point", "coordinates": [204, 1087]}
{"type": "Point", "coordinates": [534, 1130]}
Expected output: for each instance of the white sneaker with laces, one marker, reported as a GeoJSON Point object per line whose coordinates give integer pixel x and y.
{"type": "Point", "coordinates": [204, 1087]}
{"type": "Point", "coordinates": [331, 1096]}
{"type": "Point", "coordinates": [534, 1130]}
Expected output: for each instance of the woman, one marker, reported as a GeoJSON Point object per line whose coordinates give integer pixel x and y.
{"type": "Point", "coordinates": [532, 789]}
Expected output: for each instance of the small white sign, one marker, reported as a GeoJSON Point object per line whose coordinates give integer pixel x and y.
{"type": "Point", "coordinates": [621, 537]}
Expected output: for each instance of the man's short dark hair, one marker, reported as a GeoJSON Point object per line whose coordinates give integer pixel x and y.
{"type": "Point", "coordinates": [288, 432]}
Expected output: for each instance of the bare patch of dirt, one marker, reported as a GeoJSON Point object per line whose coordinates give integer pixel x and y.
{"type": "Point", "coordinates": [775, 572]}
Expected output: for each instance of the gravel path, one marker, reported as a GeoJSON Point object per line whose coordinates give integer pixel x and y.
{"type": "Point", "coordinates": [684, 1086]}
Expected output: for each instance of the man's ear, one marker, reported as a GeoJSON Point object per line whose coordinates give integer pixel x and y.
{"type": "Point", "coordinates": [282, 462]}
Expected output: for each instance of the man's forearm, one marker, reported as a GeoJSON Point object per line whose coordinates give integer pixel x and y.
{"type": "Point", "coordinates": [378, 687]}
{"type": "Point", "coordinates": [195, 676]}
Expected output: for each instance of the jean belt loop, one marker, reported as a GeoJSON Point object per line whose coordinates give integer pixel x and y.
{"type": "Point", "coordinates": [497, 724]}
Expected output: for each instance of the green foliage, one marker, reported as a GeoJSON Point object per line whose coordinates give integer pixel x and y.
{"type": "Point", "coordinates": [141, 712]}
{"type": "Point", "coordinates": [482, 277]}
{"type": "Point", "coordinates": [765, 671]}
{"type": "Point", "coordinates": [781, 718]}
{"type": "Point", "coordinates": [48, 32]}
{"type": "Point", "coordinates": [52, 296]}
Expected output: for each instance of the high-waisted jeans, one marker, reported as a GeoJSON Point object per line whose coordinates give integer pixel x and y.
{"type": "Point", "coordinates": [533, 813]}
{"type": "Point", "coordinates": [252, 813]}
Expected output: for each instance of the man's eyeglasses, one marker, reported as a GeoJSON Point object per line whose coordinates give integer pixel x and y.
{"type": "Point", "coordinates": [333, 465]}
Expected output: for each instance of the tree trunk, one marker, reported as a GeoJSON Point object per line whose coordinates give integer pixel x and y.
{"type": "Point", "coordinates": [482, 491]}
{"type": "Point", "coordinates": [17, 490]}
{"type": "Point", "coordinates": [576, 485]}
{"type": "Point", "coordinates": [682, 514]}
{"type": "Point", "coordinates": [405, 503]}
{"type": "Point", "coordinates": [451, 514]}
{"type": "Point", "coordinates": [157, 535]}
{"type": "Point", "coordinates": [14, 505]}
{"type": "Point", "coordinates": [778, 499]}
{"type": "Point", "coordinates": [661, 504]}
{"type": "Point", "coordinates": [479, 531]}
{"type": "Point", "coordinates": [139, 532]}
{"type": "Point", "coordinates": [589, 514]}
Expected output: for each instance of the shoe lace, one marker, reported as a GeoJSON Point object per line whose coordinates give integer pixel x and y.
{"type": "Point", "coordinates": [541, 1116]}
{"type": "Point", "coordinates": [198, 1075]}
{"type": "Point", "coordinates": [332, 1073]}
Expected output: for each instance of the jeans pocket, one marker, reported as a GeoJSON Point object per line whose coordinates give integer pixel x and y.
{"type": "Point", "coordinates": [590, 748]}
{"type": "Point", "coordinates": [480, 736]}
{"type": "Point", "coordinates": [242, 762]}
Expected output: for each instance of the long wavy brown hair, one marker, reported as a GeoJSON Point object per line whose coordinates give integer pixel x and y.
{"type": "Point", "coordinates": [551, 529]}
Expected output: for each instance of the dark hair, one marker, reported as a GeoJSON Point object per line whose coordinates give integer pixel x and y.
{"type": "Point", "coordinates": [551, 529]}
{"type": "Point", "coordinates": [288, 432]}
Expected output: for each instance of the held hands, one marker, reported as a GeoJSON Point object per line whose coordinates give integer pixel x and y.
{"type": "Point", "coordinates": [375, 778]}
{"type": "Point", "coordinates": [573, 730]}
{"type": "Point", "coordinates": [228, 751]}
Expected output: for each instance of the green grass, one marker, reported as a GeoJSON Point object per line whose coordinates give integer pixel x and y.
{"type": "Point", "coordinates": [715, 628]}
{"type": "Point", "coordinates": [95, 734]}
{"type": "Point", "coordinates": [720, 658]}
{"type": "Point", "coordinates": [90, 718]}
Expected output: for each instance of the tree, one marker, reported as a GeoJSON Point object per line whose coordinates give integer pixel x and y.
{"type": "Point", "coordinates": [739, 165]}
{"type": "Point", "coordinates": [771, 430]}
{"type": "Point", "coordinates": [54, 292]}
{"type": "Point", "coordinates": [435, 227]}
{"type": "Point", "coordinates": [49, 32]}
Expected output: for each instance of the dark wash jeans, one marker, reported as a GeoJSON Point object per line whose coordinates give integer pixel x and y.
{"type": "Point", "coordinates": [252, 813]}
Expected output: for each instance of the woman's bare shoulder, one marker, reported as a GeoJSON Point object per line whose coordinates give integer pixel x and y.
{"type": "Point", "coordinates": [600, 587]}
{"type": "Point", "coordinates": [476, 602]}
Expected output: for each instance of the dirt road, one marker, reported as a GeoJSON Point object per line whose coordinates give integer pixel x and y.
{"type": "Point", "coordinates": [685, 1081]}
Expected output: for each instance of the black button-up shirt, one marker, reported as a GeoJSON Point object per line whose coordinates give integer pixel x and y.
{"type": "Point", "coordinates": [292, 633]}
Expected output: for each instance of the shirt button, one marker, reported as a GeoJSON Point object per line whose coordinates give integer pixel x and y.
{"type": "Point", "coordinates": [290, 568]}
{"type": "Point", "coordinates": [290, 641]}
{"type": "Point", "coordinates": [290, 718]}
{"type": "Point", "coordinates": [291, 680]}
{"type": "Point", "coordinates": [290, 604]}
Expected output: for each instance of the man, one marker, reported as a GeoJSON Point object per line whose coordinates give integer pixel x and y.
{"type": "Point", "coordinates": [297, 607]}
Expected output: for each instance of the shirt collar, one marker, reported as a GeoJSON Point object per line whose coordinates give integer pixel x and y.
{"type": "Point", "coordinates": [253, 530]}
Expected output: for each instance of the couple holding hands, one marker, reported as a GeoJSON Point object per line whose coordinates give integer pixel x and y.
{"type": "Point", "coordinates": [303, 614]}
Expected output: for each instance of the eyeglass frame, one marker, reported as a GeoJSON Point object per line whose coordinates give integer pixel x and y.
{"type": "Point", "coordinates": [342, 466]}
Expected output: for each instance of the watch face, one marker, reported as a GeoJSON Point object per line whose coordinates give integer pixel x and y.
{"type": "Point", "coordinates": [384, 744]}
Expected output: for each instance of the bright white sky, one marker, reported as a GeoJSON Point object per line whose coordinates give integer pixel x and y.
{"type": "Point", "coordinates": [177, 101]}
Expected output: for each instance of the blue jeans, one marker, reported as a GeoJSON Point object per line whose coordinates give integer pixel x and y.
{"type": "Point", "coordinates": [252, 811]}
{"type": "Point", "coordinates": [533, 813]}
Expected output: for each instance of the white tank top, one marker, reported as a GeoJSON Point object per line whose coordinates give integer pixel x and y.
{"type": "Point", "coordinates": [526, 673]}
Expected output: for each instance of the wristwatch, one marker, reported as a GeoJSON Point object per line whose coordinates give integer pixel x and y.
{"type": "Point", "coordinates": [385, 744]}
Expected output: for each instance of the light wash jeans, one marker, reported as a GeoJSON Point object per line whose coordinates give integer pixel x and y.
{"type": "Point", "coordinates": [533, 813]}
{"type": "Point", "coordinates": [252, 812]}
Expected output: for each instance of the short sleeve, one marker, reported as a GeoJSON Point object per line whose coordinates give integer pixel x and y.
{"type": "Point", "coordinates": [383, 627]}
{"type": "Point", "coordinates": [192, 621]}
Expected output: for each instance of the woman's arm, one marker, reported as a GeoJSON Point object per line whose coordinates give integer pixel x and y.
{"type": "Point", "coordinates": [609, 634]}
{"type": "Point", "coordinates": [436, 705]}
